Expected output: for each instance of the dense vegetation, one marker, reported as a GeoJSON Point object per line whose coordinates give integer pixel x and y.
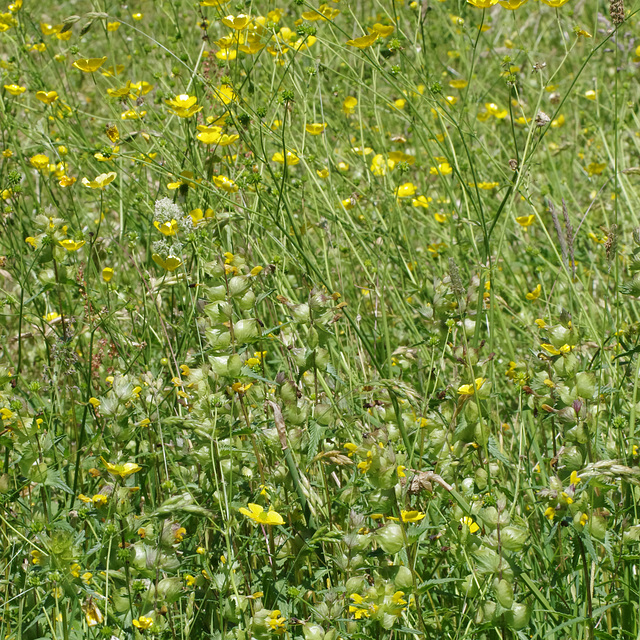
{"type": "Point", "coordinates": [319, 322]}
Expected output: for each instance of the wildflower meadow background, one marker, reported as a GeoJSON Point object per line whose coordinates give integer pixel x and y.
{"type": "Point", "coordinates": [319, 322]}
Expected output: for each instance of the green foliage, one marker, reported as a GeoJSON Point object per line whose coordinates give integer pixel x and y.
{"type": "Point", "coordinates": [319, 322]}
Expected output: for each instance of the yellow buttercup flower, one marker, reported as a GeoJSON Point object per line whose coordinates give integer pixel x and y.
{"type": "Point", "coordinates": [458, 83]}
{"type": "Point", "coordinates": [48, 97]}
{"type": "Point", "coordinates": [470, 389]}
{"type": "Point", "coordinates": [225, 94]}
{"type": "Point", "coordinates": [66, 181]}
{"type": "Point", "coordinates": [89, 65]}
{"type": "Point", "coordinates": [257, 513]}
{"type": "Point", "coordinates": [14, 89]}
{"type": "Point", "coordinates": [316, 128]}
{"type": "Point", "coordinates": [555, 3]}
{"type": "Point", "coordinates": [467, 521]}
{"type": "Point", "coordinates": [184, 105]}
{"type": "Point", "coordinates": [364, 41]}
{"type": "Point", "coordinates": [382, 30]}
{"type": "Point", "coordinates": [289, 158]}
{"type": "Point", "coordinates": [101, 181]}
{"type": "Point", "coordinates": [349, 105]}
{"type": "Point", "coordinates": [483, 4]}
{"type": "Point", "coordinates": [596, 168]}
{"type": "Point", "coordinates": [122, 470]}
{"type": "Point", "coordinates": [526, 221]}
{"type": "Point", "coordinates": [411, 516]}
{"type": "Point", "coordinates": [170, 264]}
{"type": "Point", "coordinates": [324, 12]}
{"type": "Point", "coordinates": [39, 161]}
{"type": "Point", "coordinates": [535, 294]}
{"type": "Point", "coordinates": [239, 22]}
{"type": "Point", "coordinates": [512, 5]}
{"type": "Point", "coordinates": [142, 623]}
{"type": "Point", "coordinates": [72, 245]}
{"type": "Point", "coordinates": [168, 228]}
{"type": "Point", "coordinates": [554, 351]}
{"type": "Point", "coordinates": [92, 614]}
{"type": "Point", "coordinates": [132, 114]}
{"type": "Point", "coordinates": [421, 201]}
{"type": "Point", "coordinates": [405, 190]}
{"type": "Point", "coordinates": [224, 183]}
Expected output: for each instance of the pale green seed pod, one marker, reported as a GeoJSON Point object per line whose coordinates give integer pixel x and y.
{"type": "Point", "coordinates": [312, 631]}
{"type": "Point", "coordinates": [504, 593]}
{"type": "Point", "coordinates": [247, 302]}
{"type": "Point", "coordinates": [404, 578]}
{"type": "Point", "coordinates": [390, 537]}
{"type": "Point", "coordinates": [513, 538]}
{"type": "Point", "coordinates": [218, 338]}
{"type": "Point", "coordinates": [518, 617]}
{"type": "Point", "coordinates": [246, 330]}
{"type": "Point", "coordinates": [238, 286]}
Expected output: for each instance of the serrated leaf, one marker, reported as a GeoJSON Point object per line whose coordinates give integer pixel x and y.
{"type": "Point", "coordinates": [315, 435]}
{"type": "Point", "coordinates": [250, 373]}
{"type": "Point", "coordinates": [54, 479]}
{"type": "Point", "coordinates": [494, 450]}
{"type": "Point", "coordinates": [586, 539]}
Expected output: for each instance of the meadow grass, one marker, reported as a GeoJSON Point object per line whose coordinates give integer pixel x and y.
{"type": "Point", "coordinates": [319, 322]}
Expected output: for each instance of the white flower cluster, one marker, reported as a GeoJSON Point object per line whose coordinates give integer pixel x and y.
{"type": "Point", "coordinates": [163, 248]}
{"type": "Point", "coordinates": [167, 210]}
